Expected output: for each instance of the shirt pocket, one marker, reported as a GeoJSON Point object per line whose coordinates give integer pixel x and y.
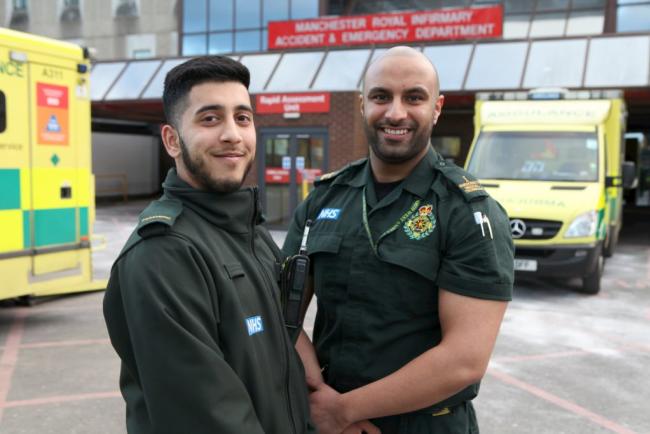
{"type": "Point", "coordinates": [238, 290]}
{"type": "Point", "coordinates": [422, 260]}
{"type": "Point", "coordinates": [234, 270]}
{"type": "Point", "coordinates": [413, 271]}
{"type": "Point", "coordinates": [328, 267]}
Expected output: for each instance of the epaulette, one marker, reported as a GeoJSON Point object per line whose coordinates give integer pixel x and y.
{"type": "Point", "coordinates": [332, 175]}
{"type": "Point", "coordinates": [466, 183]}
{"type": "Point", "coordinates": [158, 217]}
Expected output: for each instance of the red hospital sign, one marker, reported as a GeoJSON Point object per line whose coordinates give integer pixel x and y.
{"type": "Point", "coordinates": [390, 28]}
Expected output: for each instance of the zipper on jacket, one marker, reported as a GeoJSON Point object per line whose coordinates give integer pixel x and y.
{"type": "Point", "coordinates": [267, 279]}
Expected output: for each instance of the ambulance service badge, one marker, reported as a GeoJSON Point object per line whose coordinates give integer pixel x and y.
{"type": "Point", "coordinates": [421, 223]}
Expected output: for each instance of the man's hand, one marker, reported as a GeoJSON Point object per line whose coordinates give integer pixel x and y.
{"type": "Point", "coordinates": [328, 414]}
{"type": "Point", "coordinates": [363, 427]}
{"type": "Point", "coordinates": [327, 410]}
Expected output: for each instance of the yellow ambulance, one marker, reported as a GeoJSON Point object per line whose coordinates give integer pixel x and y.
{"type": "Point", "coordinates": [46, 185]}
{"type": "Point", "coordinates": [554, 159]}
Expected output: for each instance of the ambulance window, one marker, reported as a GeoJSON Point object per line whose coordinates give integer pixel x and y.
{"type": "Point", "coordinates": [3, 112]}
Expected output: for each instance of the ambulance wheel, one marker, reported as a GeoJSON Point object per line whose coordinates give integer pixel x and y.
{"type": "Point", "coordinates": [25, 300]}
{"type": "Point", "coordinates": [591, 282]}
{"type": "Point", "coordinates": [611, 242]}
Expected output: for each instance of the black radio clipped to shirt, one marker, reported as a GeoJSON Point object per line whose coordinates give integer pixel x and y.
{"type": "Point", "coordinates": [295, 271]}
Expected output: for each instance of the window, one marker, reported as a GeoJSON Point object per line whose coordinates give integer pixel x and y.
{"type": "Point", "coordinates": [485, 73]}
{"type": "Point", "coordinates": [263, 65]}
{"type": "Point", "coordinates": [140, 46]}
{"type": "Point", "coordinates": [451, 62]}
{"type": "Point", "coordinates": [3, 112]}
{"type": "Point", "coordinates": [301, 9]}
{"type": "Point", "coordinates": [548, 25]}
{"type": "Point", "coordinates": [132, 82]}
{"type": "Point", "coordinates": [295, 71]}
{"type": "Point", "coordinates": [69, 10]}
{"type": "Point", "coordinates": [609, 62]}
{"type": "Point", "coordinates": [236, 25]}
{"type": "Point", "coordinates": [585, 23]}
{"type": "Point", "coordinates": [220, 43]}
{"type": "Point", "coordinates": [552, 63]}
{"type": "Point", "coordinates": [102, 77]}
{"type": "Point", "coordinates": [194, 45]}
{"type": "Point", "coordinates": [126, 8]}
{"type": "Point", "coordinates": [633, 16]}
{"type": "Point", "coordinates": [342, 70]}
{"type": "Point", "coordinates": [247, 41]}
{"type": "Point", "coordinates": [20, 5]}
{"type": "Point", "coordinates": [275, 10]}
{"type": "Point", "coordinates": [535, 156]}
{"type": "Point", "coordinates": [19, 14]}
{"type": "Point", "coordinates": [247, 14]}
{"type": "Point", "coordinates": [155, 88]}
{"type": "Point", "coordinates": [194, 16]}
{"type": "Point", "coordinates": [141, 53]}
{"type": "Point", "coordinates": [221, 15]}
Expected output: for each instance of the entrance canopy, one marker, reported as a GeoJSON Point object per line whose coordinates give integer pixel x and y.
{"type": "Point", "coordinates": [132, 89]}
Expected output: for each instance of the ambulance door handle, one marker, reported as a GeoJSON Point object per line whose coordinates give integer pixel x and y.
{"type": "Point", "coordinates": [66, 192]}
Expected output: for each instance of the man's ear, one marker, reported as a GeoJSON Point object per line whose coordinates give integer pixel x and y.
{"type": "Point", "coordinates": [171, 140]}
{"type": "Point", "coordinates": [437, 108]}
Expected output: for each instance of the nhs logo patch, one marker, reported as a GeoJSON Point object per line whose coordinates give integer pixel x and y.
{"type": "Point", "coordinates": [254, 325]}
{"type": "Point", "coordinates": [329, 214]}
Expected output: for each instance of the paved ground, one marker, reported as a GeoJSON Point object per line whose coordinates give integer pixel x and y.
{"type": "Point", "coordinates": [564, 362]}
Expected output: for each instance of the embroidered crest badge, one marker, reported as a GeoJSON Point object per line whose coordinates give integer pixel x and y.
{"type": "Point", "coordinates": [421, 223]}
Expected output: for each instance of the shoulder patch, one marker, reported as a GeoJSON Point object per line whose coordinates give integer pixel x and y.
{"type": "Point", "coordinates": [159, 216]}
{"type": "Point", "coordinates": [468, 185]}
{"type": "Point", "coordinates": [336, 173]}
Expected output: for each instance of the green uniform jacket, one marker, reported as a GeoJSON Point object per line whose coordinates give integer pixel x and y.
{"type": "Point", "coordinates": [377, 267]}
{"type": "Point", "coordinates": [192, 309]}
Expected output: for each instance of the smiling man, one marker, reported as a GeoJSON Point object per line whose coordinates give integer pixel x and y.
{"type": "Point", "coordinates": [192, 305]}
{"type": "Point", "coordinates": [412, 267]}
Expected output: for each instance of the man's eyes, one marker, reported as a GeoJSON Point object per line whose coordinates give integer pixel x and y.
{"type": "Point", "coordinates": [244, 118]}
{"type": "Point", "coordinates": [379, 97]}
{"type": "Point", "coordinates": [415, 98]}
{"type": "Point", "coordinates": [210, 118]}
{"type": "Point", "coordinates": [240, 118]}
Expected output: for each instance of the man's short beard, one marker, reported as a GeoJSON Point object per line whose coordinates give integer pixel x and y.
{"type": "Point", "coordinates": [415, 146]}
{"type": "Point", "coordinates": [197, 170]}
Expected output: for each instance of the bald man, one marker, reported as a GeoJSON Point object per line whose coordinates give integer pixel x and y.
{"type": "Point", "coordinates": [412, 267]}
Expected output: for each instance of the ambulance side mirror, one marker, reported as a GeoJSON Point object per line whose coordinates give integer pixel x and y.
{"type": "Point", "coordinates": [629, 174]}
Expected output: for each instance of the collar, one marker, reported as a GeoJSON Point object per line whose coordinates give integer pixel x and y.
{"type": "Point", "coordinates": [235, 212]}
{"type": "Point", "coordinates": [423, 175]}
{"type": "Point", "coordinates": [417, 182]}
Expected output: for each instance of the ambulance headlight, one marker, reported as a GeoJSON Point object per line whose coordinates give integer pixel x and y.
{"type": "Point", "coordinates": [583, 226]}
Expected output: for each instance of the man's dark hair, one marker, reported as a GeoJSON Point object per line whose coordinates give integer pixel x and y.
{"type": "Point", "coordinates": [182, 78]}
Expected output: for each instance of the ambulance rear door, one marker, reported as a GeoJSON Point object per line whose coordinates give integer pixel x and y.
{"type": "Point", "coordinates": [56, 222]}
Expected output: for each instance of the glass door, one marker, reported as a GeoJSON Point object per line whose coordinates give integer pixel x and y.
{"type": "Point", "coordinates": [292, 161]}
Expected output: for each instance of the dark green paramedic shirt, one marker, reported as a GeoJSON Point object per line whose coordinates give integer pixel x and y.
{"type": "Point", "coordinates": [378, 304]}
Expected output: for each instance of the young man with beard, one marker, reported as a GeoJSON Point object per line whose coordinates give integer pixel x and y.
{"type": "Point", "coordinates": [192, 305]}
{"type": "Point", "coordinates": [412, 267]}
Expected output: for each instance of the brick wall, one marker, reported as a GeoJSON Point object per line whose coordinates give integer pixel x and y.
{"type": "Point", "coordinates": [344, 128]}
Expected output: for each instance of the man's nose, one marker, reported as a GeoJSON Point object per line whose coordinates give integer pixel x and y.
{"type": "Point", "coordinates": [396, 111]}
{"type": "Point", "coordinates": [230, 132]}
